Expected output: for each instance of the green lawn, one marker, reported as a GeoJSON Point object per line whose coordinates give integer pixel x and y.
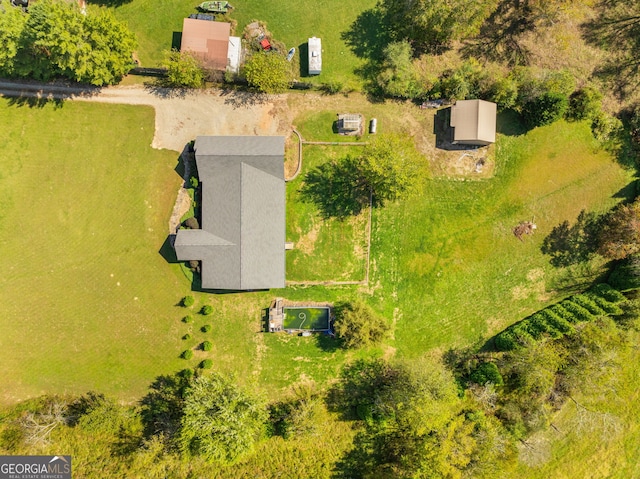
{"type": "Point", "coordinates": [325, 249]}
{"type": "Point", "coordinates": [445, 263]}
{"type": "Point", "coordinates": [290, 22]}
{"type": "Point", "coordinates": [87, 300]}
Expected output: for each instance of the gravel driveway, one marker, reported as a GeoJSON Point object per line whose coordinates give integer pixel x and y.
{"type": "Point", "coordinates": [180, 117]}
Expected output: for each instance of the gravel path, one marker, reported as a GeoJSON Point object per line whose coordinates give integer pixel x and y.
{"type": "Point", "coordinates": [180, 115]}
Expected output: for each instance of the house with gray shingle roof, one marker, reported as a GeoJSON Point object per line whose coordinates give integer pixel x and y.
{"type": "Point", "coordinates": [241, 243]}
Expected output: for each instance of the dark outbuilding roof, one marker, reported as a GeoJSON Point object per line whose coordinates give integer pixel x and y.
{"type": "Point", "coordinates": [242, 240]}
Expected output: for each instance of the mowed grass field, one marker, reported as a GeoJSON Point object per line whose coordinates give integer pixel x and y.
{"type": "Point", "coordinates": [86, 298]}
{"type": "Point", "coordinates": [290, 22]}
{"type": "Point", "coordinates": [445, 264]}
{"type": "Point", "coordinates": [324, 249]}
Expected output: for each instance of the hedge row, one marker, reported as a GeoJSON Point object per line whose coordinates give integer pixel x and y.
{"type": "Point", "coordinates": [558, 320]}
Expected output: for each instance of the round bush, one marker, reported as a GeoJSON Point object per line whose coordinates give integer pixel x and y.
{"type": "Point", "coordinates": [206, 364]}
{"type": "Point", "coordinates": [187, 354]}
{"type": "Point", "coordinates": [188, 301]}
{"type": "Point", "coordinates": [187, 319]}
{"type": "Point", "coordinates": [207, 309]}
{"type": "Point", "coordinates": [192, 223]}
{"type": "Point", "coordinates": [186, 337]}
{"type": "Point", "coordinates": [545, 109]}
{"type": "Point", "coordinates": [207, 346]}
{"type": "Point", "coordinates": [187, 373]}
{"type": "Point", "coordinates": [487, 372]}
{"type": "Point", "coordinates": [206, 328]}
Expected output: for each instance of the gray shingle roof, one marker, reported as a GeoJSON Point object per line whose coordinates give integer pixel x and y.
{"type": "Point", "coordinates": [241, 243]}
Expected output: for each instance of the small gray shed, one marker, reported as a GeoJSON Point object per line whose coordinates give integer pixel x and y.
{"type": "Point", "coordinates": [474, 122]}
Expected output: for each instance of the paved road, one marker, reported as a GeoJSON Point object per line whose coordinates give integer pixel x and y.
{"type": "Point", "coordinates": [180, 116]}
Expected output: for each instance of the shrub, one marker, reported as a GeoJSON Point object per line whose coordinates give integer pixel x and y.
{"type": "Point", "coordinates": [193, 181]}
{"type": "Point", "coordinates": [186, 337]}
{"type": "Point", "coordinates": [192, 223]}
{"type": "Point", "coordinates": [503, 92]}
{"type": "Point", "coordinates": [187, 373]}
{"type": "Point", "coordinates": [206, 328]}
{"type": "Point", "coordinates": [206, 364]}
{"type": "Point", "coordinates": [610, 308]}
{"type": "Point", "coordinates": [183, 70]}
{"type": "Point", "coordinates": [188, 301]}
{"type": "Point", "coordinates": [187, 319]}
{"type": "Point", "coordinates": [607, 292]}
{"type": "Point", "coordinates": [206, 346]}
{"type": "Point", "coordinates": [357, 325]}
{"type": "Point", "coordinates": [485, 373]}
{"type": "Point", "coordinates": [587, 303]}
{"type": "Point", "coordinates": [332, 87]}
{"type": "Point", "coordinates": [206, 310]}
{"type": "Point", "coordinates": [580, 313]}
{"type": "Point", "coordinates": [520, 333]}
{"type": "Point", "coordinates": [545, 109]}
{"type": "Point", "coordinates": [537, 326]}
{"type": "Point", "coordinates": [584, 104]}
{"type": "Point", "coordinates": [187, 354]}
{"type": "Point", "coordinates": [559, 310]}
{"type": "Point", "coordinates": [505, 341]}
{"type": "Point", "coordinates": [557, 324]}
{"type": "Point", "coordinates": [606, 128]}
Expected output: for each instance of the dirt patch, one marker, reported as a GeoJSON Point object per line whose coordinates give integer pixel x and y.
{"type": "Point", "coordinates": [307, 243]}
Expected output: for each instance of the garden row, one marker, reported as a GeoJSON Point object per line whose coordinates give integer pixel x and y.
{"type": "Point", "coordinates": [560, 319]}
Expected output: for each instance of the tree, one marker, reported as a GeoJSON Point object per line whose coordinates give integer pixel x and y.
{"type": "Point", "coordinates": [619, 236]}
{"type": "Point", "coordinates": [431, 25]}
{"type": "Point", "coordinates": [269, 72]}
{"type": "Point", "coordinates": [12, 21]}
{"type": "Point", "coordinates": [571, 244]}
{"type": "Point", "coordinates": [219, 422]}
{"type": "Point", "coordinates": [387, 168]}
{"type": "Point", "coordinates": [183, 70]}
{"type": "Point", "coordinates": [398, 77]}
{"type": "Point", "coordinates": [357, 325]}
{"type": "Point", "coordinates": [415, 424]}
{"type": "Point", "coordinates": [59, 41]}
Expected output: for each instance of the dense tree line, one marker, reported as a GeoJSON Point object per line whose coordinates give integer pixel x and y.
{"type": "Point", "coordinates": [56, 40]}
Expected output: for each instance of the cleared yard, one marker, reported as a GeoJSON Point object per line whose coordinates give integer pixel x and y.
{"type": "Point", "coordinates": [87, 300]}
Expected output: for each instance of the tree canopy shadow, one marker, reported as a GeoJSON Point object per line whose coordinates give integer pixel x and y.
{"type": "Point", "coordinates": [368, 35]}
{"type": "Point", "coordinates": [336, 189]}
{"type": "Point", "coordinates": [617, 29]}
{"type": "Point", "coordinates": [161, 408]}
{"type": "Point", "coordinates": [33, 101]}
{"type": "Point", "coordinates": [568, 244]}
{"type": "Point", "coordinates": [499, 37]}
{"type": "Point", "coordinates": [243, 98]}
{"type": "Point", "coordinates": [510, 123]}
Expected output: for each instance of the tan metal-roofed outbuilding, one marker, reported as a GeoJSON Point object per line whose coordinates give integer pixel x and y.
{"type": "Point", "coordinates": [474, 122]}
{"type": "Point", "coordinates": [208, 41]}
